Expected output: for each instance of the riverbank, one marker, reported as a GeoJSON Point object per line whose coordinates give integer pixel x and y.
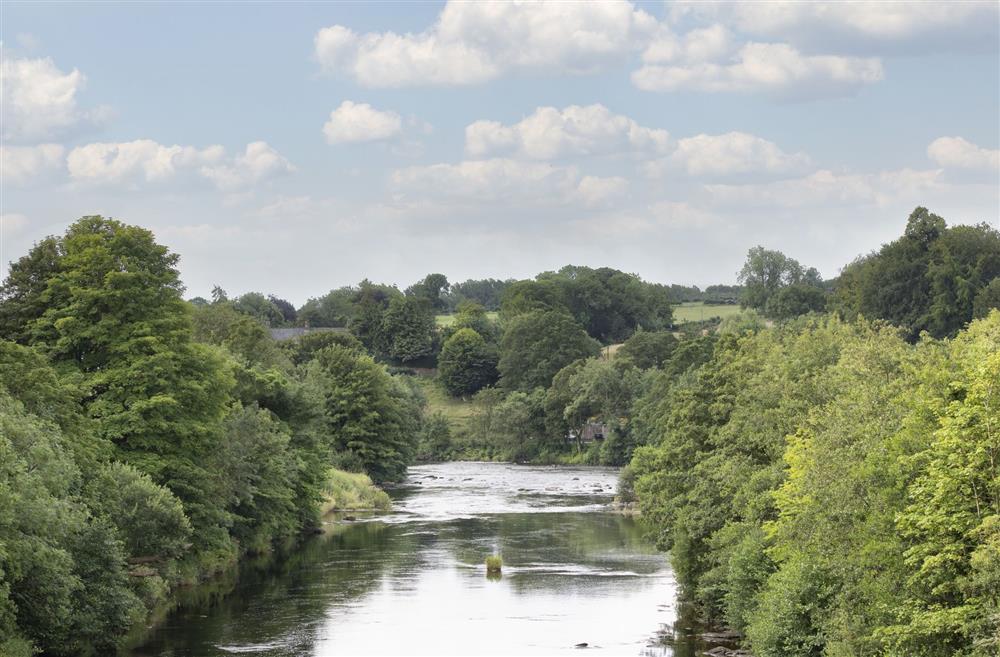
{"type": "Point", "coordinates": [352, 491]}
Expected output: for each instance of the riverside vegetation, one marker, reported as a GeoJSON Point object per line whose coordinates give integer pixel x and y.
{"type": "Point", "coordinates": [822, 467]}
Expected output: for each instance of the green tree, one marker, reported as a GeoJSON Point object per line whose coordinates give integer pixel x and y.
{"type": "Point", "coordinates": [262, 309]}
{"type": "Point", "coordinates": [646, 349]}
{"type": "Point", "coordinates": [368, 416]}
{"type": "Point", "coordinates": [409, 328]}
{"type": "Point", "coordinates": [538, 344]}
{"type": "Point", "coordinates": [927, 280]}
{"type": "Point", "coordinates": [467, 363]}
{"type": "Point", "coordinates": [113, 314]}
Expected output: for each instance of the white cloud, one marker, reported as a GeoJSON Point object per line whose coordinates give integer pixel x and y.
{"type": "Point", "coordinates": [114, 162]}
{"type": "Point", "coordinates": [505, 181]}
{"type": "Point", "coordinates": [20, 164]}
{"type": "Point", "coordinates": [594, 190]}
{"type": "Point", "coordinates": [357, 122]}
{"type": "Point", "coordinates": [703, 44]}
{"type": "Point", "coordinates": [145, 159]}
{"type": "Point", "coordinates": [776, 68]}
{"type": "Point", "coordinates": [956, 152]}
{"type": "Point", "coordinates": [877, 27]}
{"type": "Point", "coordinates": [826, 188]}
{"type": "Point", "coordinates": [473, 42]}
{"type": "Point", "coordinates": [259, 162]}
{"type": "Point", "coordinates": [40, 101]}
{"type": "Point", "coordinates": [550, 133]}
{"type": "Point", "coordinates": [732, 153]}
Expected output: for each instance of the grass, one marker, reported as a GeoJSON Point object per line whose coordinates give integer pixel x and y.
{"type": "Point", "coordinates": [697, 310]}
{"type": "Point", "coordinates": [458, 411]}
{"type": "Point", "coordinates": [448, 320]}
{"type": "Point", "coordinates": [494, 564]}
{"type": "Point", "coordinates": [353, 491]}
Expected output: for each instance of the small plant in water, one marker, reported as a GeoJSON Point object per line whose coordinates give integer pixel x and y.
{"type": "Point", "coordinates": [493, 565]}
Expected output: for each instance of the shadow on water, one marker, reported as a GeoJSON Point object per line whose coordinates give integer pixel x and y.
{"type": "Point", "coordinates": [414, 582]}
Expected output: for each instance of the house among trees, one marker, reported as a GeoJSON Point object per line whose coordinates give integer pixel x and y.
{"type": "Point", "coordinates": [591, 431]}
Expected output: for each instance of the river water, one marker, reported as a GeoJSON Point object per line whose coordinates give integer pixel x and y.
{"type": "Point", "coordinates": [413, 582]}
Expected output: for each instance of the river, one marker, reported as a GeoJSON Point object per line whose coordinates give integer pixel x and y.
{"type": "Point", "coordinates": [413, 582]}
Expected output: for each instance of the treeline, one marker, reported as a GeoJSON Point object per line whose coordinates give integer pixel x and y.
{"type": "Point", "coordinates": [829, 484]}
{"type": "Point", "coordinates": [822, 466]}
{"type": "Point", "coordinates": [146, 442]}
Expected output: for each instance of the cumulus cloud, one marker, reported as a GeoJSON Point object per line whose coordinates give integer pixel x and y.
{"type": "Point", "coordinates": [21, 164]}
{"type": "Point", "coordinates": [357, 122]}
{"type": "Point", "coordinates": [105, 162]}
{"type": "Point", "coordinates": [504, 180]}
{"type": "Point", "coordinates": [259, 162]}
{"type": "Point", "coordinates": [728, 154]}
{"type": "Point", "coordinates": [550, 133]}
{"type": "Point", "coordinates": [704, 44]}
{"type": "Point", "coordinates": [956, 152]}
{"type": "Point", "coordinates": [39, 100]}
{"type": "Point", "coordinates": [873, 27]}
{"type": "Point", "coordinates": [825, 188]}
{"type": "Point", "coordinates": [775, 68]}
{"type": "Point", "coordinates": [145, 159]}
{"type": "Point", "coordinates": [473, 42]}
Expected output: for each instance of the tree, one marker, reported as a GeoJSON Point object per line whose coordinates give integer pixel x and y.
{"type": "Point", "coordinates": [368, 417]}
{"type": "Point", "coordinates": [472, 315]}
{"type": "Point", "coordinates": [113, 313]}
{"type": "Point", "coordinates": [766, 273]}
{"type": "Point", "coordinates": [431, 288]}
{"type": "Point", "coordinates": [409, 328]}
{"type": "Point", "coordinates": [987, 299]}
{"type": "Point", "coordinates": [646, 349]}
{"type": "Point", "coordinates": [794, 300]}
{"type": "Point", "coordinates": [286, 309]}
{"type": "Point", "coordinates": [334, 309]}
{"type": "Point", "coordinates": [486, 292]}
{"type": "Point", "coordinates": [467, 363]}
{"type": "Point", "coordinates": [367, 321]}
{"type": "Point", "coordinates": [256, 305]}
{"type": "Point", "coordinates": [927, 280]}
{"type": "Point", "coordinates": [538, 344]}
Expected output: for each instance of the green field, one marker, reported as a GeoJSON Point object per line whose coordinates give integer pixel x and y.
{"type": "Point", "coordinates": [448, 320]}
{"type": "Point", "coordinates": [697, 311]}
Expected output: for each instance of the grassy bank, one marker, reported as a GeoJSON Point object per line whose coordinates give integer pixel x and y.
{"type": "Point", "coordinates": [353, 491]}
{"type": "Point", "coordinates": [458, 411]}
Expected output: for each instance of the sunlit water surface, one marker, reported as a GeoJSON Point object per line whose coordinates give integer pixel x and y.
{"type": "Point", "coordinates": [413, 582]}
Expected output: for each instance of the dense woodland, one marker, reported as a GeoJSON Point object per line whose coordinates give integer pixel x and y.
{"type": "Point", "coordinates": [822, 467]}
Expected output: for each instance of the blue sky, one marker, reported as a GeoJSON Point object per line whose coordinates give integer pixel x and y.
{"type": "Point", "coordinates": [293, 148]}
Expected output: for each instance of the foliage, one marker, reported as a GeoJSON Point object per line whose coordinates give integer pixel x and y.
{"type": "Point", "coordinates": [409, 329]}
{"type": "Point", "coordinates": [486, 293]}
{"type": "Point", "coordinates": [467, 363]}
{"type": "Point", "coordinates": [367, 414]}
{"type": "Point", "coordinates": [334, 309]}
{"type": "Point", "coordinates": [609, 304]}
{"type": "Point", "coordinates": [646, 349]}
{"type": "Point", "coordinates": [927, 280]}
{"type": "Point", "coordinates": [261, 308]}
{"type": "Point", "coordinates": [779, 286]}
{"type": "Point", "coordinates": [537, 344]}
{"type": "Point", "coordinates": [434, 442]}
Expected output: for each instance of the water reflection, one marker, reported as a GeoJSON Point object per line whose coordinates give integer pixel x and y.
{"type": "Point", "coordinates": [414, 583]}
